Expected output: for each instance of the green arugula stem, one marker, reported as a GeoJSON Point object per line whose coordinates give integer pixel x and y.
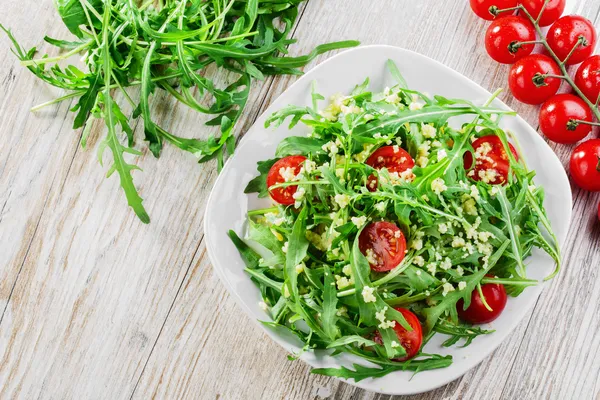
{"type": "Point", "coordinates": [263, 211]}
{"type": "Point", "coordinates": [79, 93]}
{"type": "Point", "coordinates": [296, 183]}
{"type": "Point", "coordinates": [46, 60]}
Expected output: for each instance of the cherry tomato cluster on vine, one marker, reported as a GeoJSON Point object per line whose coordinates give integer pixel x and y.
{"type": "Point", "coordinates": [535, 78]}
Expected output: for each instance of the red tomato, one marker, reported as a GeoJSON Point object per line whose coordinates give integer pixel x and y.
{"type": "Point", "coordinates": [557, 115]}
{"type": "Point", "coordinates": [587, 78]}
{"type": "Point", "coordinates": [504, 34]}
{"type": "Point", "coordinates": [477, 313]}
{"type": "Point", "coordinates": [527, 81]}
{"type": "Point", "coordinates": [284, 195]}
{"type": "Point", "coordinates": [383, 244]}
{"type": "Point", "coordinates": [410, 340]}
{"type": "Point", "coordinates": [491, 161]}
{"type": "Point", "coordinates": [552, 11]}
{"type": "Point", "coordinates": [585, 165]}
{"type": "Point", "coordinates": [564, 34]}
{"type": "Point", "coordinates": [482, 7]}
{"type": "Point", "coordinates": [394, 158]}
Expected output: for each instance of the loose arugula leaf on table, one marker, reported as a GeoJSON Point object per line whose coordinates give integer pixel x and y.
{"type": "Point", "coordinates": [167, 47]}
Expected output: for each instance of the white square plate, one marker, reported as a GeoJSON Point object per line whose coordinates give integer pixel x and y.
{"type": "Point", "coordinates": [228, 205]}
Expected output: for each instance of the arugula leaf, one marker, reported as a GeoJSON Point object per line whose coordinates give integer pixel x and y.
{"type": "Point", "coordinates": [346, 340]}
{"type": "Point", "coordinates": [295, 145]}
{"type": "Point", "coordinates": [297, 247]}
{"type": "Point", "coordinates": [393, 68]}
{"type": "Point", "coordinates": [361, 372]}
{"type": "Point", "coordinates": [329, 316]}
{"type": "Point", "coordinates": [73, 14]}
{"type": "Point", "coordinates": [87, 101]}
{"type": "Point", "coordinates": [119, 164]}
{"type": "Point", "coordinates": [249, 255]}
{"type": "Point", "coordinates": [259, 184]}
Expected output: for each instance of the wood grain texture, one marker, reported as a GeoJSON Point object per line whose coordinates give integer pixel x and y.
{"type": "Point", "coordinates": [97, 305]}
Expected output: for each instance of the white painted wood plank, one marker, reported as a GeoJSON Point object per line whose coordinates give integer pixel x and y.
{"type": "Point", "coordinates": [37, 149]}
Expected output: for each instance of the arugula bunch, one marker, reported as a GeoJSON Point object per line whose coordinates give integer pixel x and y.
{"type": "Point", "coordinates": [305, 258]}
{"type": "Point", "coordinates": [166, 45]}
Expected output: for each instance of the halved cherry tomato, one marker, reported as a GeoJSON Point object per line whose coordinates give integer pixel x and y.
{"type": "Point", "coordinates": [564, 35]}
{"type": "Point", "coordinates": [552, 11]}
{"type": "Point", "coordinates": [491, 161]}
{"type": "Point", "coordinates": [504, 34]}
{"type": "Point", "coordinates": [477, 313]}
{"type": "Point", "coordinates": [585, 165]}
{"type": "Point", "coordinates": [587, 78]}
{"type": "Point", "coordinates": [383, 244]}
{"type": "Point", "coordinates": [278, 174]}
{"type": "Point", "coordinates": [557, 117]}
{"type": "Point", "coordinates": [482, 7]}
{"type": "Point", "coordinates": [410, 340]}
{"type": "Point", "coordinates": [527, 80]}
{"type": "Point", "coordinates": [394, 158]}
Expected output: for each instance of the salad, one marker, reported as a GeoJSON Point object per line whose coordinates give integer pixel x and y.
{"type": "Point", "coordinates": [392, 223]}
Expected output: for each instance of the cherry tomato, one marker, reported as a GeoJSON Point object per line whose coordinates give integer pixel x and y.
{"type": "Point", "coordinates": [557, 117]}
{"type": "Point", "coordinates": [383, 244]}
{"type": "Point", "coordinates": [491, 161]}
{"type": "Point", "coordinates": [280, 172]}
{"type": "Point", "coordinates": [552, 11]}
{"type": "Point", "coordinates": [410, 340]}
{"type": "Point", "coordinates": [564, 35]}
{"type": "Point", "coordinates": [482, 7]}
{"type": "Point", "coordinates": [477, 313]}
{"type": "Point", "coordinates": [527, 80]}
{"type": "Point", "coordinates": [587, 78]}
{"type": "Point", "coordinates": [394, 158]}
{"type": "Point", "coordinates": [504, 34]}
{"type": "Point", "coordinates": [585, 165]}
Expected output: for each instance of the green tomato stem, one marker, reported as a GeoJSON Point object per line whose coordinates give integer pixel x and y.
{"type": "Point", "coordinates": [562, 66]}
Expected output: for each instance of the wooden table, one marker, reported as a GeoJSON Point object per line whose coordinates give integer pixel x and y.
{"type": "Point", "coordinates": [94, 304]}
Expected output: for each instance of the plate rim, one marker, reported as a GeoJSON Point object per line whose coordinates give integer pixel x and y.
{"type": "Point", "coordinates": [237, 297]}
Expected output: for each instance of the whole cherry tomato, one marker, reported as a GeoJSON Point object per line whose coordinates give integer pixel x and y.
{"type": "Point", "coordinates": [410, 340]}
{"type": "Point", "coordinates": [482, 7]}
{"type": "Point", "coordinates": [585, 165]}
{"type": "Point", "coordinates": [558, 115]}
{"type": "Point", "coordinates": [587, 78]}
{"type": "Point", "coordinates": [284, 170]}
{"type": "Point", "coordinates": [383, 244]}
{"type": "Point", "coordinates": [552, 11]}
{"type": "Point", "coordinates": [504, 35]}
{"type": "Point", "coordinates": [477, 313]}
{"type": "Point", "coordinates": [528, 81]}
{"type": "Point", "coordinates": [568, 32]}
